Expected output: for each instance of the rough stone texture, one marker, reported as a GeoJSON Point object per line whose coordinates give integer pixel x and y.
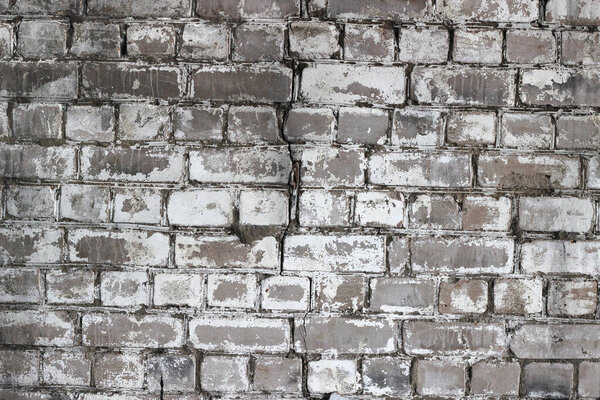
{"type": "Point", "coordinates": [299, 199]}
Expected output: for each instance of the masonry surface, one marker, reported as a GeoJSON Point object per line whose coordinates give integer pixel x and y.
{"type": "Point", "coordinates": [293, 199]}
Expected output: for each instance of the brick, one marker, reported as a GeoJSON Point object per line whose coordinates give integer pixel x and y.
{"type": "Point", "coordinates": [398, 254]}
{"type": "Point", "coordinates": [410, 168]}
{"type": "Point", "coordinates": [124, 288]}
{"type": "Point", "coordinates": [486, 213]}
{"type": "Point", "coordinates": [285, 293]}
{"type": "Point", "coordinates": [137, 205]}
{"type": "Point", "coordinates": [385, 209]}
{"type": "Point", "coordinates": [118, 247]}
{"type": "Point", "coordinates": [131, 81]}
{"type": "Point", "coordinates": [247, 125]}
{"type": "Point", "coordinates": [577, 132]}
{"type": "Point", "coordinates": [201, 207]}
{"type": "Point", "coordinates": [580, 48]}
{"type": "Point", "coordinates": [245, 334]}
{"type": "Point", "coordinates": [309, 125]}
{"type": "Point", "coordinates": [402, 295]}
{"type": "Point", "coordinates": [344, 335]}
{"type": "Point", "coordinates": [41, 80]}
{"type": "Point", "coordinates": [417, 127]}
{"type": "Point", "coordinates": [36, 162]}
{"type": "Point", "coordinates": [232, 291]}
{"type": "Point", "coordinates": [340, 293]}
{"type": "Point", "coordinates": [593, 172]}
{"type": "Point", "coordinates": [225, 252]}
{"type": "Point", "coordinates": [4, 125]}
{"type": "Point", "coordinates": [463, 86]}
{"type": "Point", "coordinates": [423, 45]}
{"type": "Point", "coordinates": [225, 374]}
{"type": "Point", "coordinates": [130, 330]}
{"type": "Point", "coordinates": [467, 255]}
{"type": "Point", "coordinates": [139, 8]}
{"type": "Point", "coordinates": [560, 87]}
{"type": "Point", "coordinates": [323, 253]}
{"type": "Point", "coordinates": [586, 13]}
{"type": "Point", "coordinates": [368, 43]}
{"type": "Point", "coordinates": [330, 166]}
{"type": "Point", "coordinates": [548, 380]}
{"type": "Point", "coordinates": [37, 328]}
{"type": "Point", "coordinates": [30, 245]}
{"type": "Point", "coordinates": [348, 84]}
{"type": "Point", "coordinates": [589, 372]}
{"type": "Point", "coordinates": [258, 42]}
{"type": "Point", "coordinates": [313, 40]}
{"type": "Point", "coordinates": [495, 379]}
{"type": "Point", "coordinates": [278, 374]}
{"type": "Point", "coordinates": [572, 298]}
{"type": "Point", "coordinates": [34, 121]}
{"type": "Point", "coordinates": [465, 296]}
{"type": "Point", "coordinates": [523, 131]}
{"type": "Point", "coordinates": [324, 208]}
{"type": "Point", "coordinates": [33, 7]}
{"type": "Point", "coordinates": [236, 9]}
{"type": "Point", "coordinates": [263, 207]}
{"type": "Point", "coordinates": [174, 289]}
{"type": "Point", "coordinates": [260, 83]}
{"type": "Point", "coordinates": [139, 122]}
{"type": "Point", "coordinates": [90, 124]}
{"type": "Point", "coordinates": [568, 214]}
{"type": "Point", "coordinates": [362, 126]}
{"type": "Point", "coordinates": [444, 338]}
{"type": "Point", "coordinates": [84, 203]}
{"type": "Point", "coordinates": [434, 212]}
{"type": "Point", "coordinates": [477, 46]}
{"type": "Point", "coordinates": [197, 123]}
{"type": "Point", "coordinates": [74, 286]}
{"type": "Point", "coordinates": [30, 202]}
{"type": "Point", "coordinates": [119, 370]}
{"type": "Point", "coordinates": [171, 373]}
{"type": "Point", "coordinates": [560, 257]}
{"type": "Point", "coordinates": [498, 11]}
{"type": "Point", "coordinates": [530, 46]}
{"type": "Point", "coordinates": [532, 171]}
{"type": "Point", "coordinates": [19, 367]}
{"type": "Point", "coordinates": [6, 40]}
{"type": "Point", "coordinates": [386, 376]}
{"type": "Point", "coordinates": [340, 376]}
{"type": "Point", "coordinates": [518, 296]}
{"type": "Point", "coordinates": [243, 165]}
{"type": "Point", "coordinates": [96, 39]}
{"type": "Point", "coordinates": [205, 41]}
{"type": "Point", "coordinates": [42, 39]}
{"type": "Point", "coordinates": [19, 286]}
{"type": "Point", "coordinates": [64, 368]}
{"type": "Point", "coordinates": [154, 41]}
{"type": "Point", "coordinates": [396, 10]}
{"type": "Point", "coordinates": [132, 164]}
{"type": "Point", "coordinates": [471, 128]}
{"type": "Point", "coordinates": [440, 378]}
{"type": "Point", "coordinates": [540, 341]}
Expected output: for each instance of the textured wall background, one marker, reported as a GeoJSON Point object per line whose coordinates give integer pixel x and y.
{"type": "Point", "coordinates": [263, 199]}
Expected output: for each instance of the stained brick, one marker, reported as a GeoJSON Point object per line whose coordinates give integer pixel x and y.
{"type": "Point", "coordinates": [548, 380]}
{"type": "Point", "coordinates": [560, 87]}
{"type": "Point", "coordinates": [556, 341]}
{"type": "Point", "coordinates": [258, 42]}
{"type": "Point", "coordinates": [388, 9]}
{"type": "Point", "coordinates": [236, 9]}
{"type": "Point", "coordinates": [42, 39]}
{"type": "Point", "coordinates": [151, 40]}
{"type": "Point", "coordinates": [498, 11]}
{"type": "Point", "coordinates": [38, 328]}
{"type": "Point", "coordinates": [330, 166]}
{"type": "Point", "coordinates": [278, 374]}
{"type": "Point", "coordinates": [477, 46]}
{"type": "Point", "coordinates": [120, 370]}
{"type": "Point", "coordinates": [139, 8]}
{"type": "Point", "coordinates": [43, 80]}
{"type": "Point", "coordinates": [65, 368]}
{"type": "Point", "coordinates": [37, 121]}
{"type": "Point", "coordinates": [313, 40]}
{"type": "Point", "coordinates": [423, 45]}
{"type": "Point", "coordinates": [205, 41]}
{"type": "Point", "coordinates": [560, 257]}
{"type": "Point", "coordinates": [569, 214]}
{"type": "Point", "coordinates": [368, 43]}
{"type": "Point", "coordinates": [586, 13]}
{"type": "Point", "coordinates": [530, 46]}
{"type": "Point", "coordinates": [495, 379]}
{"type": "Point", "coordinates": [36, 162]}
{"type": "Point", "coordinates": [400, 295]}
{"type": "Point", "coordinates": [30, 245]}
{"type": "Point", "coordinates": [19, 286]}
{"type": "Point", "coordinates": [96, 39]}
{"type": "Point", "coordinates": [440, 377]}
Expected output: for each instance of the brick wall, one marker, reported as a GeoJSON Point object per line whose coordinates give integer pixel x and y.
{"type": "Point", "coordinates": [284, 199]}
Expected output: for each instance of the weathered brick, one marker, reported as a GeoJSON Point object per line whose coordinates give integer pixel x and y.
{"type": "Point", "coordinates": [242, 165]}
{"type": "Point", "coordinates": [471, 128]}
{"type": "Point", "coordinates": [530, 46]}
{"type": "Point", "coordinates": [467, 255]}
{"type": "Point", "coordinates": [36, 162]}
{"type": "Point", "coordinates": [198, 123]}
{"type": "Point", "coordinates": [96, 39]}
{"type": "Point", "coordinates": [42, 39]}
{"type": "Point", "coordinates": [465, 296]}
{"type": "Point", "coordinates": [84, 203]}
{"type": "Point", "coordinates": [131, 330]}
{"type": "Point", "coordinates": [139, 8]}
{"type": "Point", "coordinates": [41, 80]}
{"type": "Point", "coordinates": [368, 43]}
{"type": "Point", "coordinates": [174, 289]}
{"type": "Point", "coordinates": [584, 13]}
{"type": "Point", "coordinates": [205, 41]}
{"type": "Point", "coordinates": [402, 295]}
{"type": "Point", "coordinates": [313, 40]}
{"type": "Point", "coordinates": [225, 374]}
{"type": "Point", "coordinates": [386, 376]}
{"type": "Point", "coordinates": [572, 298]}
{"type": "Point", "coordinates": [155, 41]}
{"type": "Point", "coordinates": [398, 252]}
{"type": "Point", "coordinates": [131, 81]}
{"type": "Point", "coordinates": [90, 124]}
{"type": "Point", "coordinates": [260, 83]}
{"type": "Point", "coordinates": [37, 121]}
{"type": "Point", "coordinates": [258, 42]}
{"type": "Point", "coordinates": [376, 209]}
{"type": "Point", "coordinates": [66, 368]}
{"type": "Point", "coordinates": [38, 328]}
{"type": "Point", "coordinates": [548, 380]}
{"type": "Point", "coordinates": [139, 122]}
{"type": "Point", "coordinates": [508, 171]}
{"type": "Point", "coordinates": [124, 288]}
{"type": "Point", "coordinates": [523, 131]}
{"type": "Point", "coordinates": [146, 164]}
{"type": "Point", "coordinates": [410, 168]}
{"type": "Point", "coordinates": [495, 379]}
{"type": "Point", "coordinates": [556, 341]}
{"type": "Point", "coordinates": [6, 40]}
{"type": "Point", "coordinates": [589, 373]}
{"type": "Point", "coordinates": [362, 125]}
{"type": "Point", "coordinates": [232, 291]}
{"type": "Point", "coordinates": [497, 11]}
{"type": "Point", "coordinates": [463, 86]}
{"type": "Point", "coordinates": [73, 286]}
{"type": "Point", "coordinates": [440, 378]}
{"type": "Point", "coordinates": [451, 338]}
{"type": "Point", "coordinates": [486, 213]}
{"type": "Point", "coordinates": [560, 257]}
{"type": "Point", "coordinates": [200, 207]}
{"type": "Point", "coordinates": [580, 47]}
{"type": "Point", "coordinates": [19, 286]}
{"type": "Point", "coordinates": [171, 373]}
{"type": "Point", "coordinates": [258, 9]}
{"type": "Point", "coordinates": [118, 247]}
{"type": "Point", "coordinates": [423, 45]}
{"type": "Point", "coordinates": [33, 7]}
{"type": "Point", "coordinates": [331, 166]}
{"type": "Point", "coordinates": [434, 212]}
{"type": "Point", "coordinates": [472, 45]}
{"type": "Point", "coordinates": [341, 293]}
{"type": "Point", "coordinates": [349, 253]}
{"type": "Point", "coordinates": [348, 84]}
{"type": "Point", "coordinates": [324, 208]}
{"type": "Point", "coordinates": [560, 87]}
{"type": "Point", "coordinates": [340, 376]}
{"type": "Point", "coordinates": [577, 132]}
{"type": "Point", "coordinates": [19, 367]}
{"type": "Point", "coordinates": [30, 245]}
{"type": "Point", "coordinates": [593, 172]}
{"type": "Point", "coordinates": [137, 205]}
{"type": "Point", "coordinates": [285, 293]}
{"type": "Point", "coordinates": [247, 125]}
{"type": "Point", "coordinates": [263, 207]}
{"type": "Point", "coordinates": [518, 296]}
{"type": "Point", "coordinates": [119, 370]}
{"type": "Point", "coordinates": [309, 125]}
{"type": "Point", "coordinates": [397, 10]}
{"type": "Point", "coordinates": [278, 374]}
{"type": "Point", "coordinates": [30, 202]}
{"type": "Point", "coordinates": [569, 214]}
{"type": "Point", "coordinates": [245, 334]}
{"type": "Point", "coordinates": [417, 127]}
